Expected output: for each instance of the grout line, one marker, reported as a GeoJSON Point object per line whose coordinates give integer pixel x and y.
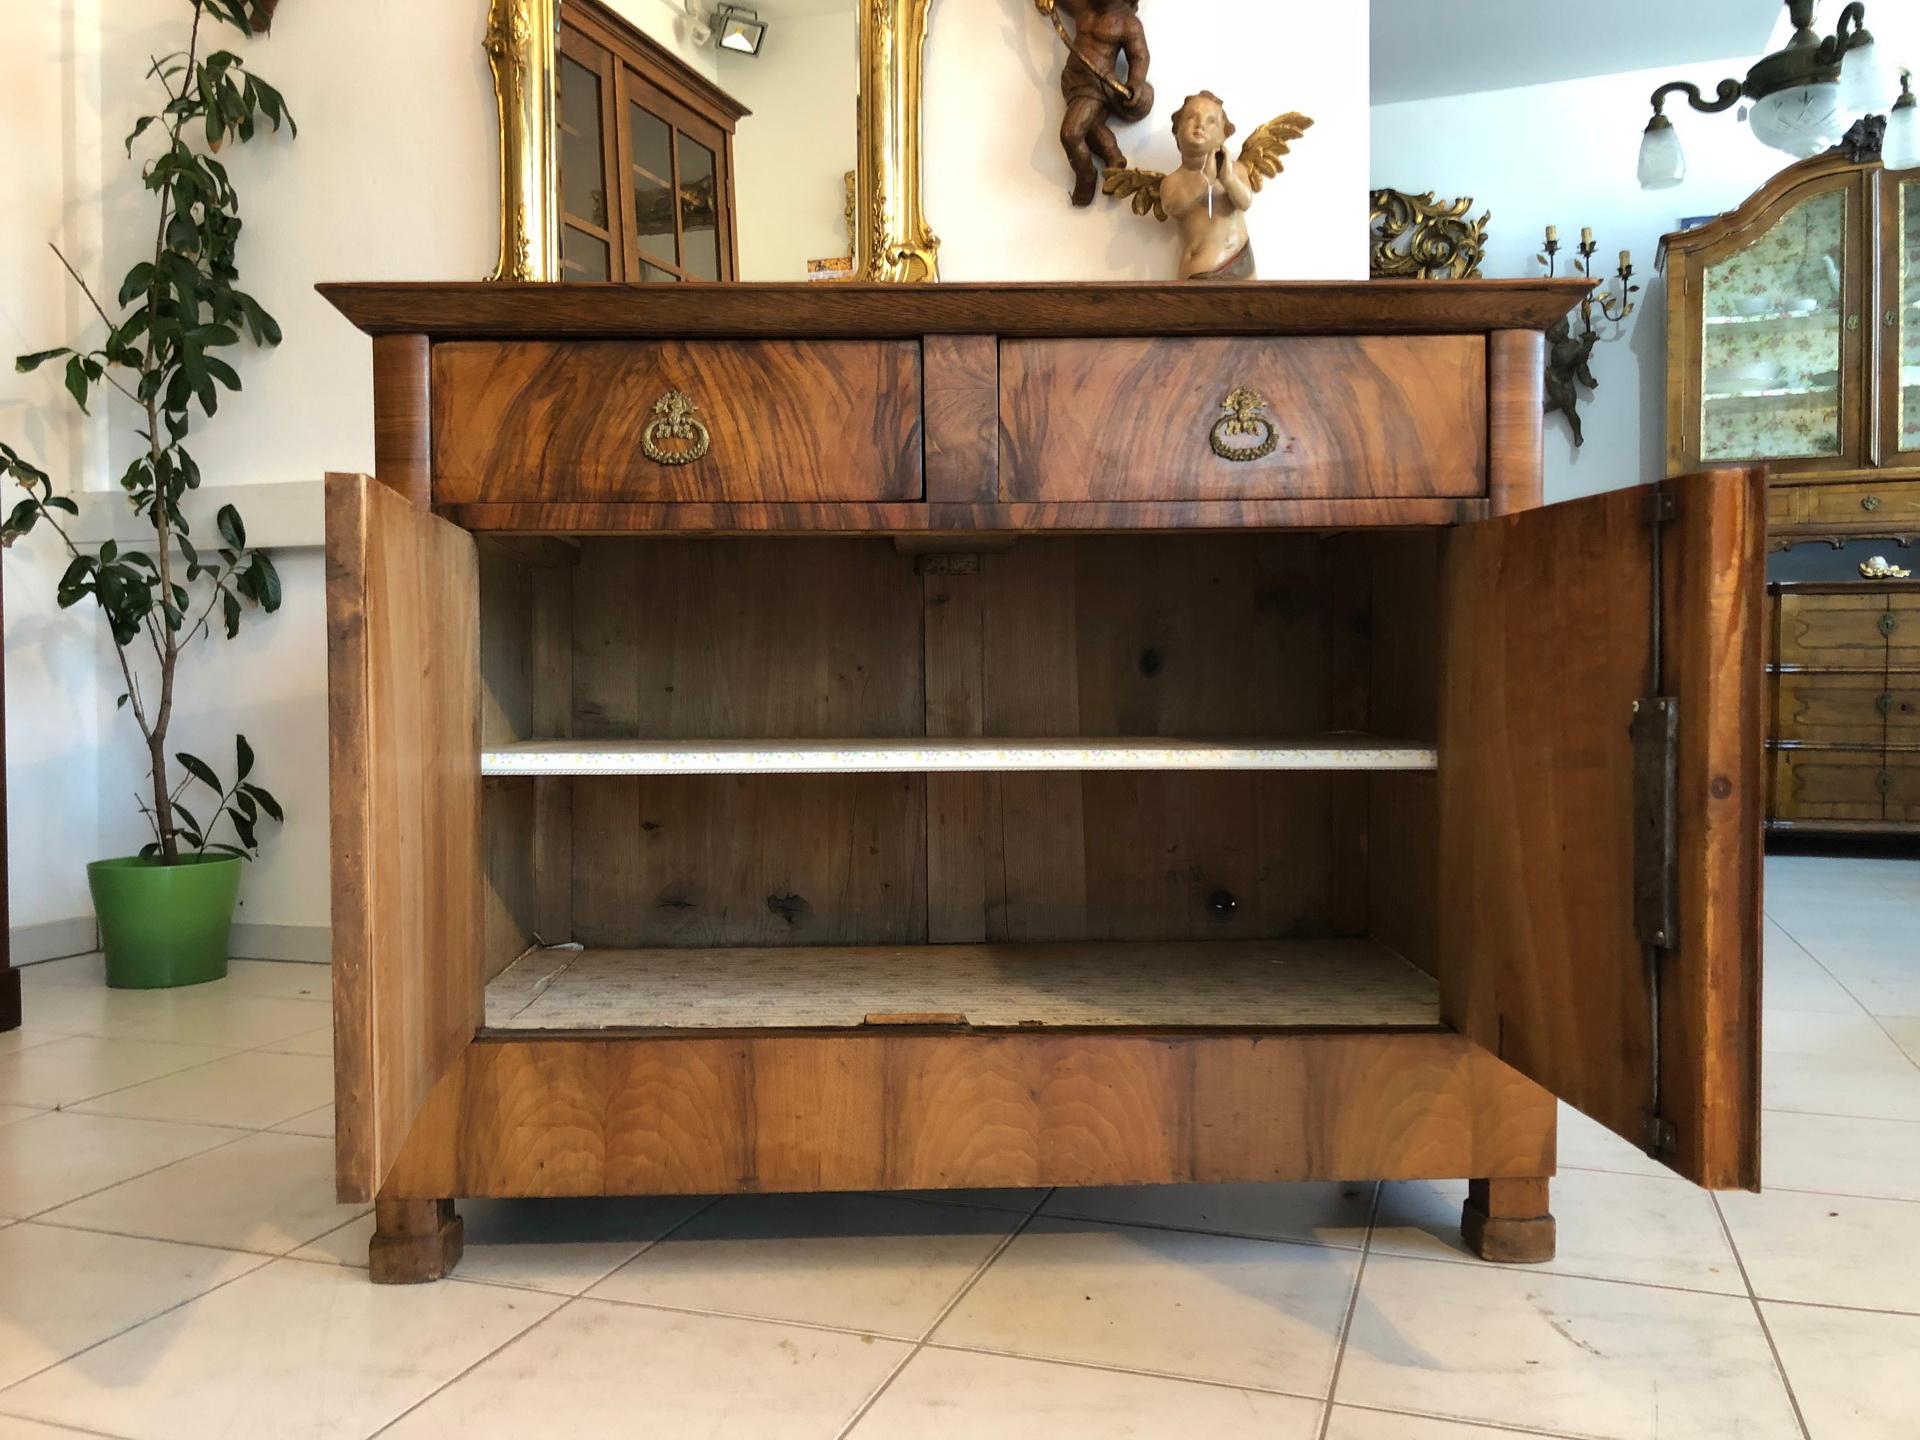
{"type": "Point", "coordinates": [237, 1137]}
{"type": "Point", "coordinates": [63, 1427]}
{"type": "Point", "coordinates": [1503, 1426]}
{"type": "Point", "coordinates": [70, 1227]}
{"type": "Point", "coordinates": [1865, 1009]}
{"type": "Point", "coordinates": [1353, 1305]}
{"type": "Point", "coordinates": [866, 1405]}
{"type": "Point", "coordinates": [1779, 1365]}
{"type": "Point", "coordinates": [566, 1302]}
{"type": "Point", "coordinates": [1106, 1369]}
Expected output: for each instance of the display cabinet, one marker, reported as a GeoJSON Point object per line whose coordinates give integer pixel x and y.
{"type": "Point", "coordinates": [795, 738]}
{"type": "Point", "coordinates": [1793, 337]}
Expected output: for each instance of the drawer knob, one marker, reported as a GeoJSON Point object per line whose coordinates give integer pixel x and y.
{"type": "Point", "coordinates": [1884, 704]}
{"type": "Point", "coordinates": [1244, 420]}
{"type": "Point", "coordinates": [1870, 504]}
{"type": "Point", "coordinates": [1885, 782]}
{"type": "Point", "coordinates": [674, 420]}
{"type": "Point", "coordinates": [1888, 624]}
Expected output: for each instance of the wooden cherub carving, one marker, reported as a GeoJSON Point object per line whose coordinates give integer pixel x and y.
{"type": "Point", "coordinates": [1209, 194]}
{"type": "Point", "coordinates": [1103, 31]}
{"type": "Point", "coordinates": [1569, 360]}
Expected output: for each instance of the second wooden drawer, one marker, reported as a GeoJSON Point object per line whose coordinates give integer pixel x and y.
{"type": "Point", "coordinates": [764, 420]}
{"type": "Point", "coordinates": [1313, 418]}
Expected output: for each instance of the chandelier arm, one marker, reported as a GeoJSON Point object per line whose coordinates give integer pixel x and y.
{"type": "Point", "coordinates": [1727, 96]}
{"type": "Point", "coordinates": [1849, 32]}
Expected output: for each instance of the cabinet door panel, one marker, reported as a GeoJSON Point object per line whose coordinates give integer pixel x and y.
{"type": "Point", "coordinates": [1900, 319]}
{"type": "Point", "coordinates": [1549, 622]}
{"type": "Point", "coordinates": [403, 671]}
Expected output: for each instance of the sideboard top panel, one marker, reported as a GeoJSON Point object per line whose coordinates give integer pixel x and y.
{"type": "Point", "coordinates": [843, 309]}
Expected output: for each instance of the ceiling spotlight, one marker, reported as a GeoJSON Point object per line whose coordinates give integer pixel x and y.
{"type": "Point", "coordinates": [739, 28]}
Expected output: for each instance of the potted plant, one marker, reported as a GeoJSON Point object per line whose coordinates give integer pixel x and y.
{"type": "Point", "coordinates": [166, 913]}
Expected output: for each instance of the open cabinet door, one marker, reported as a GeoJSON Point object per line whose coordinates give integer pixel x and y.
{"type": "Point", "coordinates": [1601, 803]}
{"type": "Point", "coordinates": [403, 665]}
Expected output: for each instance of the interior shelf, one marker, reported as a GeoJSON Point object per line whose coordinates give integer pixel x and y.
{"type": "Point", "coordinates": [843, 757]}
{"type": "Point", "coordinates": [1251, 984]}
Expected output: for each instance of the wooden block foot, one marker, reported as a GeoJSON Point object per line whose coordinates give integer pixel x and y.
{"type": "Point", "coordinates": [1508, 1222]}
{"type": "Point", "coordinates": [414, 1241]}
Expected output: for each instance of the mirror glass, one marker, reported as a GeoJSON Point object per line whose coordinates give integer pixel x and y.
{"type": "Point", "coordinates": [683, 160]}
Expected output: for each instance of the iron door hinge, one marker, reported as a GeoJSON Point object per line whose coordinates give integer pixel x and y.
{"type": "Point", "coordinates": [1655, 734]}
{"type": "Point", "coordinates": [1657, 1135]}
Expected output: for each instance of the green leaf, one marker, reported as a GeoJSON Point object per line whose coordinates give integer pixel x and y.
{"type": "Point", "coordinates": [27, 364]}
{"type": "Point", "coordinates": [77, 382]}
{"type": "Point", "coordinates": [232, 530]}
{"type": "Point", "coordinates": [243, 756]}
{"type": "Point", "coordinates": [201, 771]}
{"type": "Point", "coordinates": [139, 280]}
{"type": "Point", "coordinates": [265, 800]}
{"type": "Point", "coordinates": [230, 610]}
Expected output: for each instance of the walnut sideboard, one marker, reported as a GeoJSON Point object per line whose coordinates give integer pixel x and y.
{"type": "Point", "coordinates": [853, 738]}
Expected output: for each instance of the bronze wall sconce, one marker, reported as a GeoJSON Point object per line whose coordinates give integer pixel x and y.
{"type": "Point", "coordinates": [1570, 355]}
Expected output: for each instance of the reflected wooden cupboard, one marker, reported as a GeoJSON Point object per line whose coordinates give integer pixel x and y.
{"type": "Point", "coordinates": [1794, 342]}
{"type": "Point", "coordinates": [986, 735]}
{"type": "Point", "coordinates": [646, 157]}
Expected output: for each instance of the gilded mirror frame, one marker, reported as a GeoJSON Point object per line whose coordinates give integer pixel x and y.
{"type": "Point", "coordinates": [892, 241]}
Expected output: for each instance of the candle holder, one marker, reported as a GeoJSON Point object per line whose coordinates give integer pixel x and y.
{"type": "Point", "coordinates": [1570, 355]}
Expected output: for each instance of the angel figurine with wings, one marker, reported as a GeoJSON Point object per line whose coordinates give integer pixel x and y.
{"type": "Point", "coordinates": [1209, 194]}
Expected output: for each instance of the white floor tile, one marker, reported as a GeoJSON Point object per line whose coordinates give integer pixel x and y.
{"type": "Point", "coordinates": [14, 1428]}
{"type": "Point", "coordinates": [1868, 1086]}
{"type": "Point", "coordinates": [253, 1089]}
{"type": "Point", "coordinates": [1807, 1032]}
{"type": "Point", "coordinates": [1791, 979]}
{"type": "Point", "coordinates": [196, 1014]}
{"type": "Point", "coordinates": [1612, 1227]}
{"type": "Point", "coordinates": [1905, 1030]}
{"type": "Point", "coordinates": [77, 1068]}
{"type": "Point", "coordinates": [280, 979]}
{"type": "Point", "coordinates": [344, 1245]}
{"type": "Point", "coordinates": [312, 1122]}
{"type": "Point", "coordinates": [959, 1395]}
{"type": "Point", "coordinates": [58, 1156]}
{"type": "Point", "coordinates": [856, 1262]}
{"type": "Point", "coordinates": [1351, 1424]}
{"type": "Point", "coordinates": [265, 1192]}
{"type": "Point", "coordinates": [1828, 1250]}
{"type": "Point", "coordinates": [1588, 1145]}
{"type": "Point", "coordinates": [1022, 1202]}
{"type": "Point", "coordinates": [599, 1369]}
{"type": "Point", "coordinates": [308, 1042]}
{"type": "Point", "coordinates": [1840, 1156]}
{"type": "Point", "coordinates": [21, 1037]}
{"type": "Point", "coordinates": [1329, 1213]}
{"type": "Point", "coordinates": [11, 1113]}
{"type": "Point", "coordinates": [63, 1290]}
{"type": "Point", "coordinates": [68, 970]}
{"type": "Point", "coordinates": [1205, 1307]}
{"type": "Point", "coordinates": [1572, 1356]}
{"type": "Point", "coordinates": [291, 1349]}
{"type": "Point", "coordinates": [1856, 1376]}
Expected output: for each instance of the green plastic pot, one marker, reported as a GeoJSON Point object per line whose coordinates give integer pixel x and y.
{"type": "Point", "coordinates": [165, 925]}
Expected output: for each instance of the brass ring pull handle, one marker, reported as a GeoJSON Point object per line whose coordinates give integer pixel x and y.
{"type": "Point", "coordinates": [1244, 419]}
{"type": "Point", "coordinates": [673, 419]}
{"type": "Point", "coordinates": [1870, 504]}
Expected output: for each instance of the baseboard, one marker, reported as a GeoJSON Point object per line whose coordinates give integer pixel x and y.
{"type": "Point", "coordinates": [53, 940]}
{"type": "Point", "coordinates": [307, 944]}
{"type": "Point", "coordinates": [57, 939]}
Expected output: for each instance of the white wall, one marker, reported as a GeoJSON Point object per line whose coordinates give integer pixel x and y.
{"type": "Point", "coordinates": [997, 180]}
{"type": "Point", "coordinates": [47, 93]}
{"type": "Point", "coordinates": [791, 155]}
{"type": "Point", "coordinates": [1565, 154]}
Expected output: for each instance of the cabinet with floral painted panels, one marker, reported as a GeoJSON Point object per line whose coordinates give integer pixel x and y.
{"type": "Point", "coordinates": [1900, 320]}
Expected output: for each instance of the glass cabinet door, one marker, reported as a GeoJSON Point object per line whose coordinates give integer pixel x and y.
{"type": "Point", "coordinates": [1780, 328]}
{"type": "Point", "coordinates": [1900, 324]}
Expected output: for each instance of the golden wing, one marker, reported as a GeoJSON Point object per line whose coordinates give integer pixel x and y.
{"type": "Point", "coordinates": [1261, 154]}
{"type": "Point", "coordinates": [1141, 186]}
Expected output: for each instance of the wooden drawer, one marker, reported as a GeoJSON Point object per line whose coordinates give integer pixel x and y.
{"type": "Point", "coordinates": [1119, 420]}
{"type": "Point", "coordinates": [784, 420]}
{"type": "Point", "coordinates": [1828, 784]}
{"type": "Point", "coordinates": [1846, 630]}
{"type": "Point", "coordinates": [1824, 708]}
{"type": "Point", "coordinates": [1903, 786]}
{"type": "Point", "coordinates": [1894, 503]}
{"type": "Point", "coordinates": [1902, 624]}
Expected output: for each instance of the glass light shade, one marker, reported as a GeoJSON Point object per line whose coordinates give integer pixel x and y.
{"type": "Point", "coordinates": [1901, 151]}
{"type": "Point", "coordinates": [1802, 121]}
{"type": "Point", "coordinates": [1867, 83]}
{"type": "Point", "coordinates": [1663, 164]}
